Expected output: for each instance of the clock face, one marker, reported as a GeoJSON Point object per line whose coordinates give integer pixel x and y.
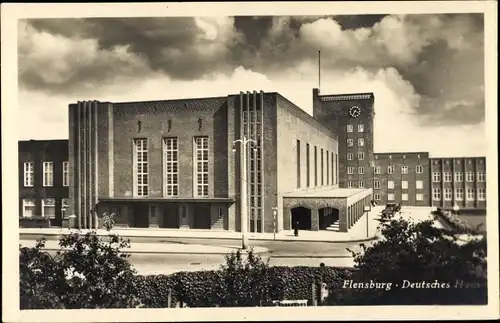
{"type": "Point", "coordinates": [355, 111]}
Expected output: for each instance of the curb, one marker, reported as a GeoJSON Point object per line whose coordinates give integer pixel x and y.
{"type": "Point", "coordinates": [311, 256]}
{"type": "Point", "coordinates": [168, 252]}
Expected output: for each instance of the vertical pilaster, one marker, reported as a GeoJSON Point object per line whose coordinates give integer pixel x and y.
{"type": "Point", "coordinates": [261, 152]}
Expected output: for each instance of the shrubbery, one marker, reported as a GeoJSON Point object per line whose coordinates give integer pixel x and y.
{"type": "Point", "coordinates": [93, 272]}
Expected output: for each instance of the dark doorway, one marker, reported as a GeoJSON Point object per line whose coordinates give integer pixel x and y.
{"type": "Point", "coordinates": [327, 217]}
{"type": "Point", "coordinates": [201, 216]}
{"type": "Point", "coordinates": [171, 216]}
{"type": "Point", "coordinates": [141, 215]}
{"type": "Point", "coordinates": [301, 217]}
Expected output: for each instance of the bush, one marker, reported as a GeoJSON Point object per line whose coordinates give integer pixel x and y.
{"type": "Point", "coordinates": [418, 253]}
{"type": "Point", "coordinates": [34, 222]}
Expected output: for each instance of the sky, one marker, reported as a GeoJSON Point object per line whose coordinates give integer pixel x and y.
{"type": "Point", "coordinates": [426, 71]}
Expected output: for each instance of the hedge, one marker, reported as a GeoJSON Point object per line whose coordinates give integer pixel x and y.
{"type": "Point", "coordinates": [206, 288]}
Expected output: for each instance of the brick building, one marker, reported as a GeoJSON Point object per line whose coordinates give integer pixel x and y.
{"type": "Point", "coordinates": [43, 179]}
{"type": "Point", "coordinates": [171, 164]}
{"type": "Point", "coordinates": [458, 181]}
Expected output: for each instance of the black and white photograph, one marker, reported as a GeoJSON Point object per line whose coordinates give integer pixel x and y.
{"type": "Point", "coordinates": [197, 158]}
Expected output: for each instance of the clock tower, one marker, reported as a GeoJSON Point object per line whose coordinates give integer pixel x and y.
{"type": "Point", "coordinates": [351, 117]}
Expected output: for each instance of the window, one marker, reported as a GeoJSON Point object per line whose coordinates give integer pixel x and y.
{"type": "Point", "coordinates": [315, 166]}
{"type": "Point", "coordinates": [65, 173]}
{"type": "Point", "coordinates": [298, 163]}
{"type": "Point", "coordinates": [447, 177]}
{"type": "Point", "coordinates": [419, 169]}
{"type": "Point", "coordinates": [48, 174]}
{"type": "Point", "coordinates": [28, 208]}
{"type": "Point", "coordinates": [390, 185]}
{"type": "Point", "coordinates": [350, 156]}
{"type": "Point", "coordinates": [470, 194]}
{"type": "Point", "coordinates": [361, 128]}
{"type": "Point", "coordinates": [322, 169]}
{"type": "Point", "coordinates": [404, 169]}
{"type": "Point", "coordinates": [447, 194]}
{"type": "Point", "coordinates": [390, 169]}
{"type": "Point", "coordinates": [436, 194]}
{"type": "Point", "coordinates": [308, 167]}
{"type": "Point", "coordinates": [376, 184]}
{"type": "Point", "coordinates": [376, 170]}
{"type": "Point", "coordinates": [459, 177]}
{"type": "Point", "coordinates": [390, 197]}
{"type": "Point", "coordinates": [361, 142]}
{"type": "Point", "coordinates": [470, 177]}
{"type": "Point", "coordinates": [29, 171]}
{"type": "Point", "coordinates": [171, 158]}
{"type": "Point", "coordinates": [376, 197]}
{"type": "Point", "coordinates": [49, 208]}
{"type": "Point", "coordinates": [480, 176]}
{"type": "Point", "coordinates": [361, 184]}
{"type": "Point", "coordinates": [404, 185]}
{"type": "Point", "coordinates": [350, 128]}
{"type": "Point", "coordinates": [436, 177]}
{"type": "Point", "coordinates": [201, 166]}
{"type": "Point", "coordinates": [481, 194]}
{"type": "Point", "coordinates": [350, 170]}
{"type": "Point", "coordinates": [419, 197]}
{"type": "Point", "coordinates": [361, 170]}
{"type": "Point", "coordinates": [404, 197]}
{"type": "Point", "coordinates": [141, 167]}
{"type": "Point", "coordinates": [349, 184]}
{"type": "Point", "coordinates": [64, 207]}
{"type": "Point", "coordinates": [350, 142]}
{"type": "Point", "coordinates": [419, 185]}
{"type": "Point", "coordinates": [361, 155]}
{"type": "Point", "coordinates": [459, 194]}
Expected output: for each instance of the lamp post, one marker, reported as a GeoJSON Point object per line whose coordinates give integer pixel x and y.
{"type": "Point", "coordinates": [367, 209]}
{"type": "Point", "coordinates": [243, 191]}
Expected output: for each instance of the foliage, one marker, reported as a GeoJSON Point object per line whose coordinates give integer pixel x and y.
{"type": "Point", "coordinates": [89, 271]}
{"type": "Point", "coordinates": [458, 224]}
{"type": "Point", "coordinates": [416, 253]}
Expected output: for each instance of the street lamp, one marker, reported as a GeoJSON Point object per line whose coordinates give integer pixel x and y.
{"type": "Point", "coordinates": [275, 213]}
{"type": "Point", "coordinates": [367, 209]}
{"type": "Point", "coordinates": [244, 198]}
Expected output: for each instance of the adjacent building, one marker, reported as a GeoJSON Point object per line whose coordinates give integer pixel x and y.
{"type": "Point", "coordinates": [43, 179]}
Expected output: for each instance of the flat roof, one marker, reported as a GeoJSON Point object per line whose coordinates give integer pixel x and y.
{"type": "Point", "coordinates": [332, 192]}
{"type": "Point", "coordinates": [167, 199]}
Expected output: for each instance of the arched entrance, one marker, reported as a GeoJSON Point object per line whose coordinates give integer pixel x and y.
{"type": "Point", "coordinates": [301, 217]}
{"type": "Point", "coordinates": [328, 216]}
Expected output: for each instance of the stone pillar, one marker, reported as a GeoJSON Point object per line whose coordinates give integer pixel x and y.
{"type": "Point", "coordinates": [314, 219]}
{"type": "Point", "coordinates": [343, 216]}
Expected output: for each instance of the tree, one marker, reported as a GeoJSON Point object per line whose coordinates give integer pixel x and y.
{"type": "Point", "coordinates": [430, 258]}
{"type": "Point", "coordinates": [89, 271]}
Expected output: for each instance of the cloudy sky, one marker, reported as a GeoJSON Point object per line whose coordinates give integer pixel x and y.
{"type": "Point", "coordinates": [427, 71]}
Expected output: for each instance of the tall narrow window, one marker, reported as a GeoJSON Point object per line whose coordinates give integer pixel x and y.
{"type": "Point", "coordinates": [171, 170]}
{"type": "Point", "coordinates": [298, 163]}
{"type": "Point", "coordinates": [65, 173]}
{"type": "Point", "coordinates": [201, 155]}
{"type": "Point", "coordinates": [48, 174]}
{"type": "Point", "coordinates": [436, 194]}
{"type": "Point", "coordinates": [141, 167]}
{"type": "Point", "coordinates": [29, 171]}
{"type": "Point", "coordinates": [315, 166]}
{"type": "Point", "coordinates": [322, 168]}
{"type": "Point", "coordinates": [308, 167]}
{"type": "Point", "coordinates": [327, 167]}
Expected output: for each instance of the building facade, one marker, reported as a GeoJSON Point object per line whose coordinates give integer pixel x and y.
{"type": "Point", "coordinates": [458, 181]}
{"type": "Point", "coordinates": [177, 163]}
{"type": "Point", "coordinates": [43, 179]}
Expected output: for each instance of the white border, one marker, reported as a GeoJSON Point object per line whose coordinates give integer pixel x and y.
{"type": "Point", "coordinates": [11, 12]}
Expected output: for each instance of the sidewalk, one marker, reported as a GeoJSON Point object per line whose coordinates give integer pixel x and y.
{"type": "Point", "coordinates": [357, 233]}
{"type": "Point", "coordinates": [159, 248]}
